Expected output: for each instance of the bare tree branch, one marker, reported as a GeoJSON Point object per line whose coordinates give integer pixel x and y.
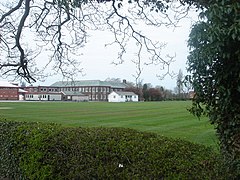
{"type": "Point", "coordinates": [60, 28]}
{"type": "Point", "coordinates": [11, 10]}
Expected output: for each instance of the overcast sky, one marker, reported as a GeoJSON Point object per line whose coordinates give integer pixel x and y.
{"type": "Point", "coordinates": [97, 59]}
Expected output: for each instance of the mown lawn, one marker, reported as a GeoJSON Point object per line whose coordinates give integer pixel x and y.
{"type": "Point", "coordinates": [168, 118]}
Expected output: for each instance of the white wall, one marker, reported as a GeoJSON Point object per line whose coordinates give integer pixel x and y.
{"type": "Point", "coordinates": [43, 97]}
{"type": "Point", "coordinates": [114, 97]}
{"type": "Point", "coordinates": [134, 98]}
{"type": "Point", "coordinates": [55, 97]}
{"type": "Point", "coordinates": [80, 98]}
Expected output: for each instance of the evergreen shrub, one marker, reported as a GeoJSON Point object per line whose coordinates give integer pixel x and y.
{"type": "Point", "coordinates": [50, 151]}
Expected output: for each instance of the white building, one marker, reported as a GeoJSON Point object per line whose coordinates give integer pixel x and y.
{"type": "Point", "coordinates": [55, 96]}
{"type": "Point", "coordinates": [122, 96]}
{"type": "Point", "coordinates": [38, 96]}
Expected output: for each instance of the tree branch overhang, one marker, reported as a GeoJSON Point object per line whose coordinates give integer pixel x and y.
{"type": "Point", "coordinates": [62, 26]}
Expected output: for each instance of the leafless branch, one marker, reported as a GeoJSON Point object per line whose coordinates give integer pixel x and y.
{"type": "Point", "coordinates": [60, 29]}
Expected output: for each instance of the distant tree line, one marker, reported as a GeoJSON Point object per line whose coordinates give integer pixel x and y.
{"type": "Point", "coordinates": [147, 92]}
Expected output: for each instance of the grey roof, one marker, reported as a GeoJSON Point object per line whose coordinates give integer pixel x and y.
{"type": "Point", "coordinates": [124, 93]}
{"type": "Point", "coordinates": [89, 83]}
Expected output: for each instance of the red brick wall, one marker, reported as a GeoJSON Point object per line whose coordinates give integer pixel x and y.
{"type": "Point", "coordinates": [8, 93]}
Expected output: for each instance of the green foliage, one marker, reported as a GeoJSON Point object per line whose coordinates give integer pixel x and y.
{"type": "Point", "coordinates": [49, 151]}
{"type": "Point", "coordinates": [22, 149]}
{"type": "Point", "coordinates": [8, 162]}
{"type": "Point", "coordinates": [215, 66]}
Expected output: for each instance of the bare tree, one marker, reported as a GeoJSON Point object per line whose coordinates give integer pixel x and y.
{"type": "Point", "coordinates": [60, 28]}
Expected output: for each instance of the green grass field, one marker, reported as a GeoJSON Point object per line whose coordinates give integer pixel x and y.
{"type": "Point", "coordinates": [169, 118]}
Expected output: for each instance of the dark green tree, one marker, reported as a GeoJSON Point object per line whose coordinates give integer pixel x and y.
{"type": "Point", "coordinates": [214, 63]}
{"type": "Point", "coordinates": [145, 92]}
{"type": "Point", "coordinates": [180, 83]}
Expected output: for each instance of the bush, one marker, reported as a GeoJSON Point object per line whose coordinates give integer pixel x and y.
{"type": "Point", "coordinates": [50, 151]}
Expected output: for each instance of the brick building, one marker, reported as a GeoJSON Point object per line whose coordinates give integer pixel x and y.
{"type": "Point", "coordinates": [8, 91]}
{"type": "Point", "coordinates": [92, 90]}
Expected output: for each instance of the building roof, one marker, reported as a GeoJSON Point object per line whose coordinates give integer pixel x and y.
{"type": "Point", "coordinates": [22, 91]}
{"type": "Point", "coordinates": [125, 93]}
{"type": "Point", "coordinates": [7, 84]}
{"type": "Point", "coordinates": [89, 83]}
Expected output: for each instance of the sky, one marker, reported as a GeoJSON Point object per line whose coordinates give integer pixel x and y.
{"type": "Point", "coordinates": [96, 59]}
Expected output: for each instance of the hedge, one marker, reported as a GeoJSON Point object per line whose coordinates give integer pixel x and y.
{"type": "Point", "coordinates": [50, 151]}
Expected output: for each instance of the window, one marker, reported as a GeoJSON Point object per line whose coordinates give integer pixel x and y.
{"type": "Point", "coordinates": [114, 96]}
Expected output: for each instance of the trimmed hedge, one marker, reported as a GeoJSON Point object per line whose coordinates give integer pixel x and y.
{"type": "Point", "coordinates": [50, 151]}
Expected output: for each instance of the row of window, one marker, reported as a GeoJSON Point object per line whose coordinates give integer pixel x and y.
{"type": "Point", "coordinates": [42, 96]}
{"type": "Point", "coordinates": [80, 89]}
{"type": "Point", "coordinates": [97, 97]}
{"type": "Point", "coordinates": [49, 89]}
{"type": "Point", "coordinates": [8, 95]}
{"type": "Point", "coordinates": [125, 96]}
{"type": "Point", "coordinates": [29, 96]}
{"type": "Point", "coordinates": [8, 88]}
{"type": "Point", "coordinates": [93, 97]}
{"type": "Point", "coordinates": [86, 89]}
{"type": "Point", "coordinates": [8, 92]}
{"type": "Point", "coordinates": [39, 96]}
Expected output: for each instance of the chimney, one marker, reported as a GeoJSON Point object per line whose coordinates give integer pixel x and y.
{"type": "Point", "coordinates": [124, 81]}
